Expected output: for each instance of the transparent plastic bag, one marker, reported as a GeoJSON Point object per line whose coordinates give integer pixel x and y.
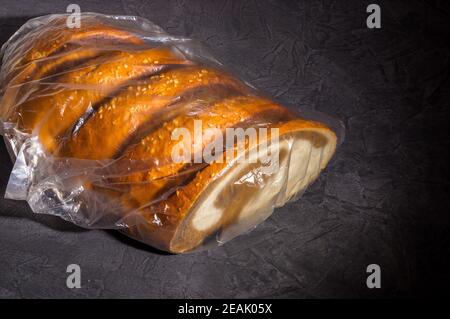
{"type": "Point", "coordinates": [119, 125]}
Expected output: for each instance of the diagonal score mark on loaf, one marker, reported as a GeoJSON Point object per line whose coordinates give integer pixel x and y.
{"type": "Point", "coordinates": [43, 57]}
{"type": "Point", "coordinates": [73, 94]}
{"type": "Point", "coordinates": [172, 176]}
{"type": "Point", "coordinates": [37, 46]}
{"type": "Point", "coordinates": [46, 69]}
{"type": "Point", "coordinates": [190, 101]}
{"type": "Point", "coordinates": [71, 133]}
{"type": "Point", "coordinates": [144, 105]}
{"type": "Point", "coordinates": [151, 161]}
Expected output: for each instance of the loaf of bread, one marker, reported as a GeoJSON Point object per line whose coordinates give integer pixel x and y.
{"type": "Point", "coordinates": [104, 94]}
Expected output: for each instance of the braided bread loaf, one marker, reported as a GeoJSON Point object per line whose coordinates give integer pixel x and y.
{"type": "Point", "coordinates": [101, 93]}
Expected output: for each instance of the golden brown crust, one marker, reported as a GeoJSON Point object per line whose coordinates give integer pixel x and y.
{"type": "Point", "coordinates": [144, 185]}
{"type": "Point", "coordinates": [35, 62]}
{"type": "Point", "coordinates": [37, 46]}
{"type": "Point", "coordinates": [29, 79]}
{"type": "Point", "coordinates": [105, 132]}
{"type": "Point", "coordinates": [70, 96]}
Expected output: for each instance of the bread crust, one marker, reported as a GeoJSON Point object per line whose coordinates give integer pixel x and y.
{"type": "Point", "coordinates": [60, 104]}
{"type": "Point", "coordinates": [37, 46]}
{"type": "Point", "coordinates": [155, 169]}
{"type": "Point", "coordinates": [69, 43]}
{"type": "Point", "coordinates": [105, 132]}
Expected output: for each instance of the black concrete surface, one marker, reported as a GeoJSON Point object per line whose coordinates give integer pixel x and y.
{"type": "Point", "coordinates": [384, 199]}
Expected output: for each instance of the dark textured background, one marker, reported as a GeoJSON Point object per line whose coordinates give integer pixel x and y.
{"type": "Point", "coordinates": [384, 199]}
